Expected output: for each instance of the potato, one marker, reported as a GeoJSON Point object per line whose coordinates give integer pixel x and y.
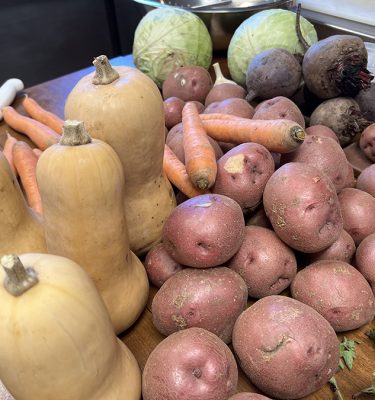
{"type": "Point", "coordinates": [302, 206]}
{"type": "Point", "coordinates": [358, 213]}
{"type": "Point", "coordinates": [242, 174]}
{"type": "Point", "coordinates": [321, 130]}
{"type": "Point", "coordinates": [192, 364]}
{"type": "Point", "coordinates": [279, 108]}
{"type": "Point", "coordinates": [367, 142]}
{"type": "Point", "coordinates": [350, 180]}
{"type": "Point", "coordinates": [175, 141]}
{"type": "Point", "coordinates": [365, 259]}
{"type": "Point", "coordinates": [366, 180]}
{"type": "Point", "coordinates": [324, 153]}
{"type": "Point", "coordinates": [286, 348]}
{"type": "Point", "coordinates": [233, 106]}
{"type": "Point", "coordinates": [190, 82]}
{"type": "Point", "coordinates": [265, 263]}
{"type": "Point", "coordinates": [338, 291]}
{"type": "Point", "coordinates": [159, 265]}
{"type": "Point", "coordinates": [204, 231]}
{"type": "Point", "coordinates": [343, 249]}
{"type": "Point", "coordinates": [248, 396]}
{"type": "Point", "coordinates": [224, 91]}
{"type": "Point", "coordinates": [211, 298]}
{"type": "Point", "coordinates": [259, 218]}
{"type": "Point", "coordinates": [173, 111]}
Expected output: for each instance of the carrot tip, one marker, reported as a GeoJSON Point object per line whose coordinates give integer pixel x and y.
{"type": "Point", "coordinates": [298, 134]}
{"type": "Point", "coordinates": [202, 183]}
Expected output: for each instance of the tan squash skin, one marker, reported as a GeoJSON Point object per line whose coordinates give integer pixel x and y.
{"type": "Point", "coordinates": [128, 114]}
{"type": "Point", "coordinates": [21, 229]}
{"type": "Point", "coordinates": [82, 189]}
{"type": "Point", "coordinates": [57, 341]}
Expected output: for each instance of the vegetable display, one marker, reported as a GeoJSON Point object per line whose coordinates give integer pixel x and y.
{"type": "Point", "coordinates": [8, 92]}
{"type": "Point", "coordinates": [90, 191]}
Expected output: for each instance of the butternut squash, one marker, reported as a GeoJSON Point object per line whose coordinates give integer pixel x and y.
{"type": "Point", "coordinates": [81, 183]}
{"type": "Point", "coordinates": [21, 229]}
{"type": "Point", "coordinates": [124, 107]}
{"type": "Point", "coordinates": [56, 338]}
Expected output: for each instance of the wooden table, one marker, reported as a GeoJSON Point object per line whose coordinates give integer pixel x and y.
{"type": "Point", "coordinates": [142, 337]}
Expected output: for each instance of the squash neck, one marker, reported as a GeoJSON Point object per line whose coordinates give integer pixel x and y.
{"type": "Point", "coordinates": [18, 279]}
{"type": "Point", "coordinates": [74, 134]}
{"type": "Point", "coordinates": [104, 73]}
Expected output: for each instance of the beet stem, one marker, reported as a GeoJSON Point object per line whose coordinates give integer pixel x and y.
{"type": "Point", "coordinates": [298, 28]}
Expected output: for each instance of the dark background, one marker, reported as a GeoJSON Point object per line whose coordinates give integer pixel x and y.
{"type": "Point", "coordinates": [44, 39]}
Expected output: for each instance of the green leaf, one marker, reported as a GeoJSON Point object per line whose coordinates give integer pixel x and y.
{"type": "Point", "coordinates": [368, 391]}
{"type": "Point", "coordinates": [347, 352]}
{"type": "Point", "coordinates": [335, 389]}
{"type": "Point", "coordinates": [371, 334]}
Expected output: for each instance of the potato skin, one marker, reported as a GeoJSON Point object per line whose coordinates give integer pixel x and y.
{"type": "Point", "coordinates": [321, 130]}
{"type": "Point", "coordinates": [367, 142]}
{"type": "Point", "coordinates": [324, 153]}
{"type": "Point", "coordinates": [349, 306]}
{"type": "Point", "coordinates": [358, 213]}
{"type": "Point", "coordinates": [224, 91]}
{"type": "Point", "coordinates": [192, 364]}
{"type": "Point", "coordinates": [302, 206]}
{"type": "Point", "coordinates": [242, 174]}
{"type": "Point", "coordinates": [366, 180]}
{"type": "Point", "coordinates": [211, 298]}
{"type": "Point", "coordinates": [248, 396]}
{"type": "Point", "coordinates": [204, 231]}
{"type": "Point", "coordinates": [232, 106]}
{"type": "Point", "coordinates": [365, 259]}
{"type": "Point", "coordinates": [282, 338]}
{"type": "Point", "coordinates": [159, 265]}
{"type": "Point", "coordinates": [267, 265]}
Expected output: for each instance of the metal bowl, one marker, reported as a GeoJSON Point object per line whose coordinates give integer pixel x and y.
{"type": "Point", "coordinates": [222, 17]}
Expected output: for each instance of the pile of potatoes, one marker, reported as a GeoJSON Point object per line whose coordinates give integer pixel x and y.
{"type": "Point", "coordinates": [300, 224]}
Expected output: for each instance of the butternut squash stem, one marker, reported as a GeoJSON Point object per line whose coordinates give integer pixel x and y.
{"type": "Point", "coordinates": [18, 278]}
{"type": "Point", "coordinates": [104, 73]}
{"type": "Point", "coordinates": [74, 134]}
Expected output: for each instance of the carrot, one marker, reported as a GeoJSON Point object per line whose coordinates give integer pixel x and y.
{"type": "Point", "coordinates": [37, 112]}
{"type": "Point", "coordinates": [177, 174]}
{"type": "Point", "coordinates": [230, 117]}
{"type": "Point", "coordinates": [8, 149]}
{"type": "Point", "coordinates": [200, 159]}
{"type": "Point", "coordinates": [37, 152]}
{"type": "Point", "coordinates": [40, 134]}
{"type": "Point", "coordinates": [279, 136]}
{"type": "Point", "coordinates": [25, 161]}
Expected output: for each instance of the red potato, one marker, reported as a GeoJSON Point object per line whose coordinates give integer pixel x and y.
{"type": "Point", "coordinates": [358, 213]}
{"type": "Point", "coordinates": [159, 265]}
{"type": "Point", "coordinates": [367, 142]}
{"type": "Point", "coordinates": [343, 249]}
{"type": "Point", "coordinates": [302, 206]}
{"type": "Point", "coordinates": [232, 106]}
{"type": "Point", "coordinates": [350, 180]}
{"type": "Point", "coordinates": [190, 82]}
{"type": "Point", "coordinates": [259, 218]}
{"type": "Point", "coordinates": [366, 180]}
{"type": "Point", "coordinates": [248, 396]}
{"type": "Point", "coordinates": [267, 265]}
{"type": "Point", "coordinates": [365, 259]}
{"type": "Point", "coordinates": [336, 290]}
{"type": "Point", "coordinates": [173, 110]}
{"type": "Point", "coordinates": [211, 298]}
{"type": "Point", "coordinates": [321, 130]}
{"type": "Point", "coordinates": [279, 108]}
{"type": "Point", "coordinates": [286, 348]}
{"type": "Point", "coordinates": [204, 231]}
{"type": "Point", "coordinates": [192, 364]}
{"type": "Point", "coordinates": [242, 174]}
{"type": "Point", "coordinates": [324, 153]}
{"type": "Point", "coordinates": [175, 142]}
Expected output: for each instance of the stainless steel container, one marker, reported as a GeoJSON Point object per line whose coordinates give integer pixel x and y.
{"type": "Point", "coordinates": [222, 17]}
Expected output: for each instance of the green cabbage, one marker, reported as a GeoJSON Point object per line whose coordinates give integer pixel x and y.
{"type": "Point", "coordinates": [167, 38]}
{"type": "Point", "coordinates": [265, 30]}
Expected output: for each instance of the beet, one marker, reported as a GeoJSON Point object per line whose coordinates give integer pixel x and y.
{"type": "Point", "coordinates": [336, 66]}
{"type": "Point", "coordinates": [366, 102]}
{"type": "Point", "coordinates": [343, 116]}
{"type": "Point", "coordinates": [273, 72]}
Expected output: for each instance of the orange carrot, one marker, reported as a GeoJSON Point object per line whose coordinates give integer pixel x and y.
{"type": "Point", "coordinates": [8, 149]}
{"type": "Point", "coordinates": [37, 112]}
{"type": "Point", "coordinates": [279, 136]}
{"type": "Point", "coordinates": [40, 134]}
{"type": "Point", "coordinates": [37, 152]}
{"type": "Point", "coordinates": [200, 159]}
{"type": "Point", "coordinates": [230, 117]}
{"type": "Point", "coordinates": [176, 173]}
{"type": "Point", "coordinates": [25, 162]}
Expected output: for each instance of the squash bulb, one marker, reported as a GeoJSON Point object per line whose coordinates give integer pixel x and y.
{"type": "Point", "coordinates": [81, 184]}
{"type": "Point", "coordinates": [57, 340]}
{"type": "Point", "coordinates": [124, 108]}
